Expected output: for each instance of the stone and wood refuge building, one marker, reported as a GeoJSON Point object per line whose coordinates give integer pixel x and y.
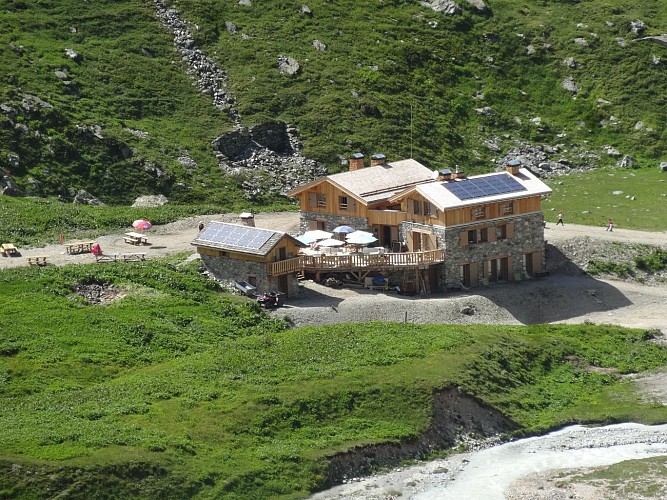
{"type": "Point", "coordinates": [442, 229]}
{"type": "Point", "coordinates": [264, 258]}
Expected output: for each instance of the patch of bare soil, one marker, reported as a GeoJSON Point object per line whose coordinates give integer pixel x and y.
{"type": "Point", "coordinates": [99, 293]}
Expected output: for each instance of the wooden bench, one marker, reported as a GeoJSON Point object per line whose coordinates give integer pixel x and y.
{"type": "Point", "coordinates": [37, 260]}
{"type": "Point", "coordinates": [79, 246]}
{"type": "Point", "coordinates": [133, 257]}
{"type": "Point", "coordinates": [106, 257]}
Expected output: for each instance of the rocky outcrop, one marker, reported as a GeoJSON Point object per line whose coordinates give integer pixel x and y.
{"type": "Point", "coordinates": [83, 197]}
{"type": "Point", "coordinates": [266, 159]}
{"type": "Point", "coordinates": [150, 201]}
{"type": "Point", "coordinates": [288, 66]}
{"type": "Point", "coordinates": [8, 187]}
{"type": "Point", "coordinates": [660, 40]}
{"type": "Point", "coordinates": [210, 79]}
{"type": "Point", "coordinates": [447, 7]}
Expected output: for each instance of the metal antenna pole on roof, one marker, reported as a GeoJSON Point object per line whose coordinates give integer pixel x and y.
{"type": "Point", "coordinates": [411, 129]}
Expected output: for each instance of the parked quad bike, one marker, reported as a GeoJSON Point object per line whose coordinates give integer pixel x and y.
{"type": "Point", "coordinates": [270, 299]}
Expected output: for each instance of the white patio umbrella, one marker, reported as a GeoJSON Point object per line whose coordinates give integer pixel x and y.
{"type": "Point", "coordinates": [360, 239]}
{"type": "Point", "coordinates": [330, 242]}
{"type": "Point", "coordinates": [306, 239]}
{"type": "Point", "coordinates": [317, 234]}
{"type": "Point", "coordinates": [359, 233]}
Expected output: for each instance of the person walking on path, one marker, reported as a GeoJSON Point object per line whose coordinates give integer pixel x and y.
{"type": "Point", "coordinates": [560, 219]}
{"type": "Point", "coordinates": [610, 225]}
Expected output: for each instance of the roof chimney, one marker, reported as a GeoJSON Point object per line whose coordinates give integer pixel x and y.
{"type": "Point", "coordinates": [356, 161]}
{"type": "Point", "coordinates": [378, 159]}
{"type": "Point", "coordinates": [445, 174]}
{"type": "Point", "coordinates": [458, 174]}
{"type": "Point", "coordinates": [513, 167]}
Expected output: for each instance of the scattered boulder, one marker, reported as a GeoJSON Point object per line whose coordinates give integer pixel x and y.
{"type": "Point", "coordinates": [150, 201]}
{"type": "Point", "coordinates": [83, 197]}
{"type": "Point", "coordinates": [663, 166]}
{"type": "Point", "coordinates": [8, 187]}
{"type": "Point", "coordinates": [486, 111]}
{"type": "Point", "coordinates": [73, 55]}
{"type": "Point", "coordinates": [245, 3]}
{"type": "Point", "coordinates": [447, 7]}
{"type": "Point", "coordinates": [628, 162]}
{"type": "Point", "coordinates": [571, 63]}
{"type": "Point", "coordinates": [231, 28]}
{"type": "Point", "coordinates": [61, 75]}
{"type": "Point", "coordinates": [288, 66]}
{"type": "Point", "coordinates": [305, 10]}
{"type": "Point", "coordinates": [611, 151]}
{"type": "Point", "coordinates": [479, 5]}
{"type": "Point", "coordinates": [570, 85]}
{"type": "Point", "coordinates": [621, 41]}
{"type": "Point", "coordinates": [582, 42]}
{"type": "Point", "coordinates": [14, 160]}
{"type": "Point", "coordinates": [637, 26]}
{"type": "Point", "coordinates": [319, 46]}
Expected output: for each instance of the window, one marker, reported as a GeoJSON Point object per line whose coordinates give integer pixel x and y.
{"type": "Point", "coordinates": [415, 207]}
{"type": "Point", "coordinates": [342, 202]}
{"type": "Point", "coordinates": [484, 234]}
{"type": "Point", "coordinates": [507, 208]}
{"type": "Point", "coordinates": [478, 213]}
{"type": "Point", "coordinates": [322, 200]}
{"type": "Point", "coordinates": [501, 232]}
{"type": "Point", "coordinates": [252, 280]}
{"type": "Point", "coordinates": [472, 237]}
{"type": "Point", "coordinates": [427, 208]}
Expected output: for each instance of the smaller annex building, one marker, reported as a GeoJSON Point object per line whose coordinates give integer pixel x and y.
{"type": "Point", "coordinates": [264, 258]}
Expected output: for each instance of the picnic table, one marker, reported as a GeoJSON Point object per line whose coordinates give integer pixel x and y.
{"type": "Point", "coordinates": [37, 260]}
{"type": "Point", "coordinates": [9, 249]}
{"type": "Point", "coordinates": [133, 257]}
{"type": "Point", "coordinates": [79, 246]}
{"type": "Point", "coordinates": [135, 239]}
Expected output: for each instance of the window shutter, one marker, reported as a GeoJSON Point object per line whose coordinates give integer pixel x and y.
{"type": "Point", "coordinates": [463, 238]}
{"type": "Point", "coordinates": [510, 230]}
{"type": "Point", "coordinates": [491, 233]}
{"type": "Point", "coordinates": [312, 225]}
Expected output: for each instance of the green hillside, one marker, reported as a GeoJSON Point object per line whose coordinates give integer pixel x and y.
{"type": "Point", "coordinates": [396, 77]}
{"type": "Point", "coordinates": [145, 381]}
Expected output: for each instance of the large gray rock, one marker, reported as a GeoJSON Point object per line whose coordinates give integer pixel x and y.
{"type": "Point", "coordinates": [150, 201]}
{"type": "Point", "coordinates": [83, 197]}
{"type": "Point", "coordinates": [8, 187]}
{"type": "Point", "coordinates": [628, 162]}
{"type": "Point", "coordinates": [447, 7]}
{"type": "Point", "coordinates": [663, 166]}
{"type": "Point", "coordinates": [73, 55]}
{"type": "Point", "coordinates": [288, 66]}
{"type": "Point", "coordinates": [321, 46]}
{"type": "Point", "coordinates": [637, 26]}
{"type": "Point", "coordinates": [570, 85]}
{"type": "Point", "coordinates": [479, 5]}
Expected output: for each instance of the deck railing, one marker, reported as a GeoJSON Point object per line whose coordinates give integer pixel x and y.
{"type": "Point", "coordinates": [285, 266]}
{"type": "Point", "coordinates": [359, 260]}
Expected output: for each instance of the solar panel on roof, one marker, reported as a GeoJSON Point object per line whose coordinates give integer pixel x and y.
{"type": "Point", "coordinates": [238, 236]}
{"type": "Point", "coordinates": [480, 187]}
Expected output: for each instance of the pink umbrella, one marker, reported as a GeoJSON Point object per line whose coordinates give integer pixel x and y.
{"type": "Point", "coordinates": [142, 224]}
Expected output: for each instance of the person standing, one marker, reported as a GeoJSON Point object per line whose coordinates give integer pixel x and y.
{"type": "Point", "coordinates": [201, 226]}
{"type": "Point", "coordinates": [560, 218]}
{"type": "Point", "coordinates": [610, 225]}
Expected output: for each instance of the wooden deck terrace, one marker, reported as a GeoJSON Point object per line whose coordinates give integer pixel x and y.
{"type": "Point", "coordinates": [358, 263]}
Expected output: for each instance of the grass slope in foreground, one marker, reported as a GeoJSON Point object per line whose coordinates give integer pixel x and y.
{"type": "Point", "coordinates": [175, 390]}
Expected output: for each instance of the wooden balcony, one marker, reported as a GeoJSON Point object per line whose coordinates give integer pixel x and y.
{"type": "Point", "coordinates": [360, 261]}
{"type": "Point", "coordinates": [285, 266]}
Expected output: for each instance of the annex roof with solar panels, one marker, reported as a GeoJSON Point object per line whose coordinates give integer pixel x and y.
{"type": "Point", "coordinates": [481, 189]}
{"type": "Point", "coordinates": [240, 238]}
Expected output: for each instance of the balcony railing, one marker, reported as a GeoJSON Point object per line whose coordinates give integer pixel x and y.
{"type": "Point", "coordinates": [360, 261]}
{"type": "Point", "coordinates": [285, 266]}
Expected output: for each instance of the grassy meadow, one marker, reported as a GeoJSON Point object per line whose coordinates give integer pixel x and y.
{"type": "Point", "coordinates": [588, 198]}
{"type": "Point", "coordinates": [174, 389]}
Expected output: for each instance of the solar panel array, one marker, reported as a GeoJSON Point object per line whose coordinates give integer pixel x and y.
{"type": "Point", "coordinates": [238, 236]}
{"type": "Point", "coordinates": [480, 187]}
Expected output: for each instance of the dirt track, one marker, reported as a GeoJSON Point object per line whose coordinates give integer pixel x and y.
{"type": "Point", "coordinates": [553, 299]}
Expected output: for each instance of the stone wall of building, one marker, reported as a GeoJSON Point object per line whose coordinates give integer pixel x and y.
{"type": "Point", "coordinates": [528, 238]}
{"type": "Point", "coordinates": [228, 270]}
{"type": "Point", "coordinates": [332, 221]}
